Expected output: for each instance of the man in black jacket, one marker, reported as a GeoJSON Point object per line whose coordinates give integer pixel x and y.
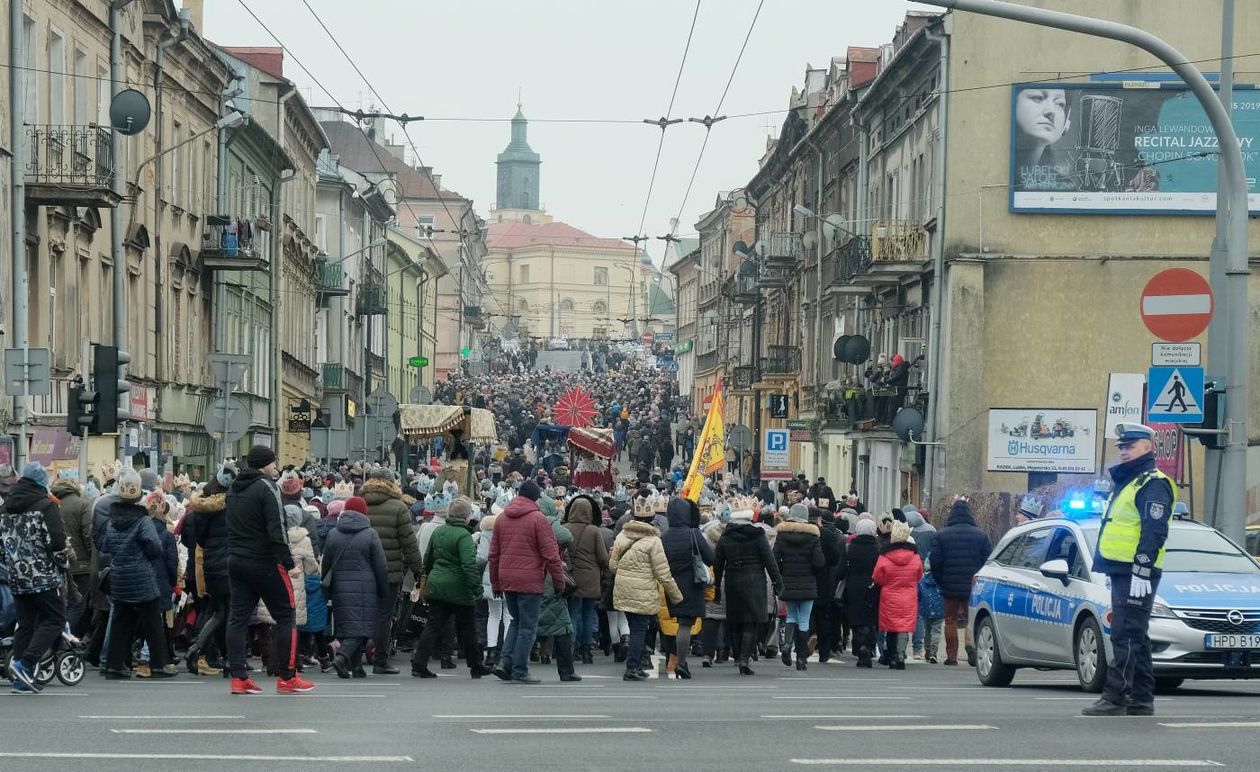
{"type": "Point", "coordinates": [825, 610]}
{"type": "Point", "coordinates": [958, 553]}
{"type": "Point", "coordinates": [258, 566]}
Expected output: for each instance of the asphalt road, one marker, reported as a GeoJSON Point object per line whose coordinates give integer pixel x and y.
{"type": "Point", "coordinates": [831, 715]}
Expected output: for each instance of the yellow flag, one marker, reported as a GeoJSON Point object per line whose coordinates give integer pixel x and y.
{"type": "Point", "coordinates": [710, 455]}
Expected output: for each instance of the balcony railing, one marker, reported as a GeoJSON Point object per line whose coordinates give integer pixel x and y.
{"type": "Point", "coordinates": [742, 289]}
{"type": "Point", "coordinates": [333, 376]}
{"type": "Point", "coordinates": [898, 240]}
{"type": "Point", "coordinates": [782, 249]}
{"type": "Point", "coordinates": [372, 301]}
{"type": "Point", "coordinates": [70, 165]}
{"type": "Point", "coordinates": [783, 360]}
{"type": "Point", "coordinates": [742, 377]}
{"type": "Point", "coordinates": [330, 278]}
{"type": "Point", "coordinates": [231, 244]}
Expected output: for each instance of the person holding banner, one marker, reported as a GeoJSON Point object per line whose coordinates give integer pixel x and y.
{"type": "Point", "coordinates": [710, 454]}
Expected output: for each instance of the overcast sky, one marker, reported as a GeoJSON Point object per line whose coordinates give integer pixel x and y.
{"type": "Point", "coordinates": [599, 59]}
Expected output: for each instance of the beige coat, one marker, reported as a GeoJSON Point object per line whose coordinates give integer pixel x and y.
{"type": "Point", "coordinates": [304, 564]}
{"type": "Point", "coordinates": [639, 565]}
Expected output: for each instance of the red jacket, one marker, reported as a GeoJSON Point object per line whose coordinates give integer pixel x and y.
{"type": "Point", "coordinates": [523, 549]}
{"type": "Point", "coordinates": [897, 572]}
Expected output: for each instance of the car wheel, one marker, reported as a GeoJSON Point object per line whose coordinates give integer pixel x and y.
{"type": "Point", "coordinates": [989, 666]}
{"type": "Point", "coordinates": [1167, 685]}
{"type": "Point", "coordinates": [1091, 656]}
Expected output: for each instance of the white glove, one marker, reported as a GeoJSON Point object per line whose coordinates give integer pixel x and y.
{"type": "Point", "coordinates": [1139, 588]}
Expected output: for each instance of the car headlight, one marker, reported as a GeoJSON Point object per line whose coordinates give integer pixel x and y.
{"type": "Point", "coordinates": [1159, 609]}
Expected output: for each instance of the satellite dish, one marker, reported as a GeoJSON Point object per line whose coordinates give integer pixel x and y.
{"type": "Point", "coordinates": [837, 348]}
{"type": "Point", "coordinates": [809, 240]}
{"type": "Point", "coordinates": [739, 248]}
{"type": "Point", "coordinates": [856, 350]}
{"type": "Point", "coordinates": [129, 112]}
{"type": "Point", "coordinates": [908, 424]}
{"type": "Point", "coordinates": [748, 269]}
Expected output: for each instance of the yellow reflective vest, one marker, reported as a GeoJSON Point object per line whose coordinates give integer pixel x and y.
{"type": "Point", "coordinates": [1122, 523]}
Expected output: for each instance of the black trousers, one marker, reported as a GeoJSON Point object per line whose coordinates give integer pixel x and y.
{"type": "Point", "coordinates": [823, 625]}
{"type": "Point", "coordinates": [251, 581]}
{"type": "Point", "coordinates": [147, 618]}
{"type": "Point", "coordinates": [1130, 675]}
{"type": "Point", "coordinates": [78, 613]}
{"type": "Point", "coordinates": [215, 611]}
{"type": "Point", "coordinates": [385, 624]}
{"type": "Point", "coordinates": [440, 616]}
{"type": "Point", "coordinates": [40, 618]}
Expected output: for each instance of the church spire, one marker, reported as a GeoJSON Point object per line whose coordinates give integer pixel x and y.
{"type": "Point", "coordinates": [518, 168]}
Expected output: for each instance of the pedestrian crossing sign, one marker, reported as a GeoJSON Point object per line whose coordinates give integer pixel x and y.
{"type": "Point", "coordinates": [1175, 395]}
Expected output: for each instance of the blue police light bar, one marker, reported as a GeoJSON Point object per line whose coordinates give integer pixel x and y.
{"type": "Point", "coordinates": [1076, 504]}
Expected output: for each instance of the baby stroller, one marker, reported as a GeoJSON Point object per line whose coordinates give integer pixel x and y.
{"type": "Point", "coordinates": [63, 662]}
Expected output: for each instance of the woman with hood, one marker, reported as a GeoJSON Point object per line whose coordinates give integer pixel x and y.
{"type": "Point", "coordinates": [304, 562]}
{"type": "Point", "coordinates": [355, 561]}
{"type": "Point", "coordinates": [743, 559]}
{"type": "Point", "coordinates": [798, 552]}
{"type": "Point", "coordinates": [206, 510]}
{"type": "Point", "coordinates": [450, 563]}
{"type": "Point", "coordinates": [555, 625]}
{"type": "Point", "coordinates": [590, 562]}
{"type": "Point", "coordinates": [898, 572]}
{"type": "Point", "coordinates": [166, 572]}
{"type": "Point", "coordinates": [861, 594]}
{"type": "Point", "coordinates": [639, 565]}
{"type": "Point", "coordinates": [683, 544]}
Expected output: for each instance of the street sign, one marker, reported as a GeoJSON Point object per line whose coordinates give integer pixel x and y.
{"type": "Point", "coordinates": [648, 338]}
{"type": "Point", "coordinates": [227, 419]}
{"type": "Point", "coordinates": [418, 362]}
{"type": "Point", "coordinates": [1175, 395]}
{"type": "Point", "coordinates": [740, 438]}
{"type": "Point", "coordinates": [1176, 354]}
{"type": "Point", "coordinates": [330, 443]}
{"type": "Point", "coordinates": [664, 337]}
{"type": "Point", "coordinates": [778, 406]}
{"type": "Point", "coordinates": [1177, 304]}
{"type": "Point", "coordinates": [774, 453]}
{"type": "Point", "coordinates": [465, 351]}
{"type": "Point", "coordinates": [798, 423]}
{"type": "Point", "coordinates": [36, 374]}
{"type": "Point", "coordinates": [420, 395]}
{"type": "Point", "coordinates": [381, 402]}
{"type": "Point", "coordinates": [229, 367]}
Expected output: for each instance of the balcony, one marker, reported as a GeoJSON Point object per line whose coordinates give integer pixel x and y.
{"type": "Point", "coordinates": [783, 360]}
{"type": "Point", "coordinates": [781, 250]}
{"type": "Point", "coordinates": [228, 244]}
{"type": "Point", "coordinates": [333, 377]}
{"type": "Point", "coordinates": [70, 166]}
{"type": "Point", "coordinates": [742, 289]}
{"type": "Point", "coordinates": [330, 280]}
{"type": "Point", "coordinates": [742, 378]}
{"type": "Point", "coordinates": [898, 241]}
{"type": "Point", "coordinates": [372, 301]}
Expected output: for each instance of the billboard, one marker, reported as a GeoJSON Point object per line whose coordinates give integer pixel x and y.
{"type": "Point", "coordinates": [1042, 440]}
{"type": "Point", "coordinates": [1121, 148]}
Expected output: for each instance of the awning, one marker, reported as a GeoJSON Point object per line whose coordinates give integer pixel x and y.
{"type": "Point", "coordinates": [597, 441]}
{"type": "Point", "coordinates": [435, 420]}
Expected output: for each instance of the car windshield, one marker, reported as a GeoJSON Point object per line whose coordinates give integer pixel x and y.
{"type": "Point", "coordinates": [1195, 550]}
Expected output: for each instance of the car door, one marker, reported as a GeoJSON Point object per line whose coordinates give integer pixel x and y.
{"type": "Point", "coordinates": [1010, 599]}
{"type": "Point", "coordinates": [1024, 574]}
{"type": "Point", "coordinates": [1052, 604]}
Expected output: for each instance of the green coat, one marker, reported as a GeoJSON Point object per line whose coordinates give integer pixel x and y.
{"type": "Point", "coordinates": [554, 617]}
{"type": "Point", "coordinates": [451, 563]}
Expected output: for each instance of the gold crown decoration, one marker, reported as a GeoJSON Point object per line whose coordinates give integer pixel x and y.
{"type": "Point", "coordinates": [745, 504]}
{"type": "Point", "coordinates": [643, 508]}
{"type": "Point", "coordinates": [659, 503]}
{"type": "Point", "coordinates": [343, 490]}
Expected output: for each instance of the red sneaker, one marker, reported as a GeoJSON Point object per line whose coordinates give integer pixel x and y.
{"type": "Point", "coordinates": [294, 685]}
{"type": "Point", "coordinates": [245, 686]}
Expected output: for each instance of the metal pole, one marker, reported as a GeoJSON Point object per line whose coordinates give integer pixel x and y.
{"type": "Point", "coordinates": [932, 479]}
{"type": "Point", "coordinates": [17, 208]}
{"type": "Point", "coordinates": [118, 253]}
{"type": "Point", "coordinates": [85, 356]}
{"type": "Point", "coordinates": [818, 349]}
{"type": "Point", "coordinates": [1232, 293]}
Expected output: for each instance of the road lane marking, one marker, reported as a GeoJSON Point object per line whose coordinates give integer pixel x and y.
{"type": "Point", "coordinates": [898, 727]}
{"type": "Point", "coordinates": [508, 717]}
{"type": "Point", "coordinates": [194, 730]}
{"type": "Point", "coordinates": [899, 762]}
{"type": "Point", "coordinates": [208, 757]}
{"type": "Point", "coordinates": [799, 717]}
{"type": "Point", "coordinates": [566, 730]}
{"type": "Point", "coordinates": [834, 697]}
{"type": "Point", "coordinates": [1212, 724]}
{"type": "Point", "coordinates": [588, 696]}
{"type": "Point", "coordinates": [325, 696]}
{"type": "Point", "coordinates": [1054, 699]}
{"type": "Point", "coordinates": [164, 718]}
{"type": "Point", "coordinates": [824, 678]}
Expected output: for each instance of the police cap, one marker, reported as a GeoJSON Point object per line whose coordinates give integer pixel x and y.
{"type": "Point", "coordinates": [1126, 433]}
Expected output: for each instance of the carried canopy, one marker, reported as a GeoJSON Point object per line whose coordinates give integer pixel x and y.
{"type": "Point", "coordinates": [476, 424]}
{"type": "Point", "coordinates": [598, 442]}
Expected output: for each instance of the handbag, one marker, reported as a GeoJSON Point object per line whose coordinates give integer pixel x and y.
{"type": "Point", "coordinates": [326, 581]}
{"type": "Point", "coordinates": [699, 569]}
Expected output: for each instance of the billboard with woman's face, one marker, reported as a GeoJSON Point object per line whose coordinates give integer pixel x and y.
{"type": "Point", "coordinates": [1119, 149]}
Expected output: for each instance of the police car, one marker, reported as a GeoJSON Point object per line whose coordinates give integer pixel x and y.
{"type": "Point", "coordinates": [1036, 603]}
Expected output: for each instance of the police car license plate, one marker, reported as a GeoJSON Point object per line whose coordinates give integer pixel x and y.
{"type": "Point", "coordinates": [1232, 641]}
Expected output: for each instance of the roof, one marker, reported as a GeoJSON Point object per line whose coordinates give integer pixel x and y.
{"type": "Point", "coordinates": [269, 59]}
{"type": "Point", "coordinates": [518, 235]}
{"type": "Point", "coordinates": [354, 150]}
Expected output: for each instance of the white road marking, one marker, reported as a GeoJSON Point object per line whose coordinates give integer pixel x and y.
{"type": "Point", "coordinates": [164, 718]}
{"type": "Point", "coordinates": [799, 717]}
{"type": "Point", "coordinates": [234, 730]}
{"type": "Point", "coordinates": [834, 697]}
{"type": "Point", "coordinates": [507, 717]}
{"type": "Point", "coordinates": [567, 730]}
{"type": "Point", "coordinates": [588, 696]}
{"type": "Point", "coordinates": [210, 757]}
{"type": "Point", "coordinates": [1213, 725]}
{"type": "Point", "coordinates": [1051, 699]}
{"type": "Point", "coordinates": [822, 678]}
{"type": "Point", "coordinates": [899, 727]}
{"type": "Point", "coordinates": [46, 693]}
{"type": "Point", "coordinates": [309, 696]}
{"type": "Point", "coordinates": [899, 762]}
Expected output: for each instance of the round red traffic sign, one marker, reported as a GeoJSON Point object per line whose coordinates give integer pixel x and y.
{"type": "Point", "coordinates": [1177, 304]}
{"type": "Point", "coordinates": [648, 337]}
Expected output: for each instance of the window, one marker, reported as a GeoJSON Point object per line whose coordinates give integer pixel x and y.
{"type": "Point", "coordinates": [524, 273]}
{"type": "Point", "coordinates": [1032, 550]}
{"type": "Point", "coordinates": [1064, 547]}
{"type": "Point", "coordinates": [81, 86]}
{"type": "Point", "coordinates": [423, 224]}
{"type": "Point", "coordinates": [601, 276]}
{"type": "Point", "coordinates": [177, 162]}
{"type": "Point", "coordinates": [321, 236]}
{"type": "Point", "coordinates": [102, 94]}
{"type": "Point", "coordinates": [1008, 554]}
{"type": "Point", "coordinates": [32, 97]}
{"type": "Point", "coordinates": [56, 78]}
{"type": "Point", "coordinates": [600, 308]}
{"type": "Point", "coordinates": [566, 305]}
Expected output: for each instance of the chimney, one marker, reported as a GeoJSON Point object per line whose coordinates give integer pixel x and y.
{"type": "Point", "coordinates": [196, 11]}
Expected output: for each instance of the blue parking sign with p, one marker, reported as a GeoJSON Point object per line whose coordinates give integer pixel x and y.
{"type": "Point", "coordinates": [776, 439]}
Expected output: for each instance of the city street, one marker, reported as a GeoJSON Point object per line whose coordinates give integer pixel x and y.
{"type": "Point", "coordinates": [831, 715]}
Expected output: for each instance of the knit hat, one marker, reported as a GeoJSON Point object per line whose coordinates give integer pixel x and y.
{"type": "Point", "coordinates": [898, 514]}
{"type": "Point", "coordinates": [130, 488]}
{"type": "Point", "coordinates": [866, 528]}
{"type": "Point", "coordinates": [530, 490]}
{"type": "Point", "coordinates": [459, 510]}
{"type": "Point", "coordinates": [292, 515]}
{"type": "Point", "coordinates": [35, 472]}
{"type": "Point", "coordinates": [798, 513]}
{"type": "Point", "coordinates": [290, 483]}
{"type": "Point", "coordinates": [900, 531]}
{"type": "Point", "coordinates": [336, 507]}
{"type": "Point", "coordinates": [226, 474]}
{"type": "Point", "coordinates": [148, 479]}
{"type": "Point", "coordinates": [260, 456]}
{"type": "Point", "coordinates": [356, 504]}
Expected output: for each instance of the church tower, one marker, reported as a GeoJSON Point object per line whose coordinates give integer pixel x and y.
{"type": "Point", "coordinates": [518, 171]}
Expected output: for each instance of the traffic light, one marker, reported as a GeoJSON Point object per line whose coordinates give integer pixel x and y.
{"type": "Point", "coordinates": [81, 405]}
{"type": "Point", "coordinates": [1211, 417]}
{"type": "Point", "coordinates": [107, 374]}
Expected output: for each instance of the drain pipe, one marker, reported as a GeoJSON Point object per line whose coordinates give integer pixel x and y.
{"type": "Point", "coordinates": [932, 477]}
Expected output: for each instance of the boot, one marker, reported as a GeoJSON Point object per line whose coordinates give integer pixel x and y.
{"type": "Point", "coordinates": [588, 658]}
{"type": "Point", "coordinates": [619, 649]}
{"type": "Point", "coordinates": [204, 668]}
{"type": "Point", "coordinates": [744, 669]}
{"type": "Point", "coordinates": [789, 636]}
{"type": "Point", "coordinates": [191, 659]}
{"type": "Point", "coordinates": [492, 656]}
{"type": "Point", "coordinates": [802, 649]}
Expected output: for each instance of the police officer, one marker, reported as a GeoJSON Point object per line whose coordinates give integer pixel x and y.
{"type": "Point", "coordinates": [1131, 552]}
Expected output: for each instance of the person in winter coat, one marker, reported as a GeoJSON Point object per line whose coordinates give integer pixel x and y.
{"type": "Point", "coordinates": [713, 634]}
{"type": "Point", "coordinates": [798, 553]}
{"type": "Point", "coordinates": [897, 573]}
{"type": "Point", "coordinates": [495, 610]}
{"type": "Point", "coordinates": [33, 550]}
{"type": "Point", "coordinates": [590, 563]}
{"type": "Point", "coordinates": [391, 520]}
{"type": "Point", "coordinates": [131, 545]}
{"type": "Point", "coordinates": [555, 624]}
{"type": "Point", "coordinates": [453, 585]}
{"type": "Point", "coordinates": [522, 552]}
{"type": "Point", "coordinates": [207, 526]}
{"type": "Point", "coordinates": [931, 615]}
{"type": "Point", "coordinates": [683, 543]}
{"type": "Point", "coordinates": [639, 565]}
{"type": "Point", "coordinates": [291, 494]}
{"type": "Point", "coordinates": [861, 594]}
{"type": "Point", "coordinates": [825, 621]}
{"type": "Point", "coordinates": [76, 517]}
{"type": "Point", "coordinates": [884, 529]}
{"type": "Point", "coordinates": [304, 562]}
{"type": "Point", "coordinates": [958, 552]}
{"type": "Point", "coordinates": [740, 565]}
{"type": "Point", "coordinates": [166, 571]}
{"type": "Point", "coordinates": [355, 560]}
{"type": "Point", "coordinates": [923, 533]}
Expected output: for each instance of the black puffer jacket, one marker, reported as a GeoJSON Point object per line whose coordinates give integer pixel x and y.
{"type": "Point", "coordinates": [209, 553]}
{"type": "Point", "coordinates": [131, 546]}
{"type": "Point", "coordinates": [861, 596]}
{"type": "Point", "coordinates": [958, 552]}
{"type": "Point", "coordinates": [360, 576]}
{"type": "Point", "coordinates": [832, 543]}
{"type": "Point", "coordinates": [681, 541]}
{"type": "Point", "coordinates": [255, 521]}
{"type": "Point", "coordinates": [800, 558]}
{"type": "Point", "coordinates": [743, 559]}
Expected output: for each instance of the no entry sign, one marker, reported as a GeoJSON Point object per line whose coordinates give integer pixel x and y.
{"type": "Point", "coordinates": [1177, 304]}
